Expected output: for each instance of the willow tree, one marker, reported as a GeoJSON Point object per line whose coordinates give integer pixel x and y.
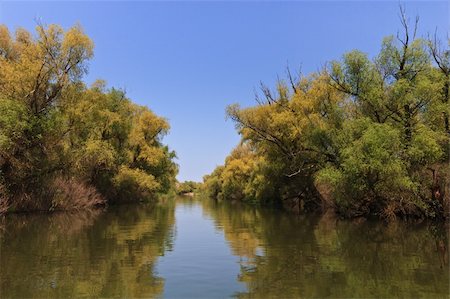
{"type": "Point", "coordinates": [364, 136]}
{"type": "Point", "coordinates": [64, 145]}
{"type": "Point", "coordinates": [35, 74]}
{"type": "Point", "coordinates": [394, 147]}
{"type": "Point", "coordinates": [292, 132]}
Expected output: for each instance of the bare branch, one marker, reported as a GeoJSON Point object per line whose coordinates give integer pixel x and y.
{"type": "Point", "coordinates": [416, 24]}
{"type": "Point", "coordinates": [267, 93]}
{"type": "Point", "coordinates": [437, 54]}
{"type": "Point", "coordinates": [257, 98]}
{"type": "Point", "coordinates": [294, 173]}
{"type": "Point", "coordinates": [293, 81]}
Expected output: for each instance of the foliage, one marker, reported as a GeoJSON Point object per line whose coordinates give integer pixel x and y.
{"type": "Point", "coordinates": [364, 136]}
{"type": "Point", "coordinates": [187, 187]}
{"type": "Point", "coordinates": [58, 134]}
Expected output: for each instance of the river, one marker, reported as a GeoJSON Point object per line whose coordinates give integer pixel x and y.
{"type": "Point", "coordinates": [186, 248]}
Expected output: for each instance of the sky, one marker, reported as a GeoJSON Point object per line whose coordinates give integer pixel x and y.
{"type": "Point", "coordinates": [188, 60]}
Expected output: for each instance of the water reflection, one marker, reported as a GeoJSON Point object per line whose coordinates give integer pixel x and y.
{"type": "Point", "coordinates": [85, 254]}
{"type": "Point", "coordinates": [220, 250]}
{"type": "Point", "coordinates": [296, 257]}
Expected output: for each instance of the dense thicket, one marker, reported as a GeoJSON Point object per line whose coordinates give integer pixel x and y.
{"type": "Point", "coordinates": [64, 145]}
{"type": "Point", "coordinates": [364, 136]}
{"type": "Point", "coordinates": [187, 187]}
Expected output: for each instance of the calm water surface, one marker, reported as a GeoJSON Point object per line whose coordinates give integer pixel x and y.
{"type": "Point", "coordinates": [202, 249]}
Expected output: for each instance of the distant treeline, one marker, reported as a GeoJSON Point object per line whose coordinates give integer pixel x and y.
{"type": "Point", "coordinates": [64, 145]}
{"type": "Point", "coordinates": [187, 187]}
{"type": "Point", "coordinates": [363, 136]}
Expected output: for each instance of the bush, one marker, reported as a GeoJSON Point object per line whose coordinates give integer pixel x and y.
{"type": "Point", "coordinates": [72, 194]}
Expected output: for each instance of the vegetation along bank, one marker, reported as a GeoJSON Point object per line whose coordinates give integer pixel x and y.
{"type": "Point", "coordinates": [64, 145]}
{"type": "Point", "coordinates": [362, 136]}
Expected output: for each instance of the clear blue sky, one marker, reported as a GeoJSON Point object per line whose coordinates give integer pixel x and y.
{"type": "Point", "coordinates": [188, 60]}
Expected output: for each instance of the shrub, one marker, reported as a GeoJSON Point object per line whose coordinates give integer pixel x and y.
{"type": "Point", "coordinates": [72, 194]}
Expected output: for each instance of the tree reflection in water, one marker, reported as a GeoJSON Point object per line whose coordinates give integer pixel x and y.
{"type": "Point", "coordinates": [290, 256]}
{"type": "Point", "coordinates": [114, 253]}
{"type": "Point", "coordinates": [85, 254]}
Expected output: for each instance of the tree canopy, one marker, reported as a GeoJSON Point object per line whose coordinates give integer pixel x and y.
{"type": "Point", "coordinates": [64, 145]}
{"type": "Point", "coordinates": [363, 135]}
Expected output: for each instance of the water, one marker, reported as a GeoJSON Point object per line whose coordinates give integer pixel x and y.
{"type": "Point", "coordinates": [201, 249]}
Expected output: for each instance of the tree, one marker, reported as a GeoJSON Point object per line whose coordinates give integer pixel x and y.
{"type": "Point", "coordinates": [363, 136]}
{"type": "Point", "coordinates": [58, 137]}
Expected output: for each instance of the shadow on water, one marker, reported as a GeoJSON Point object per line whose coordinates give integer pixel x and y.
{"type": "Point", "coordinates": [288, 256]}
{"type": "Point", "coordinates": [85, 254]}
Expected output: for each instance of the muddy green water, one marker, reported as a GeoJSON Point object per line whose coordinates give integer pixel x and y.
{"type": "Point", "coordinates": [202, 249]}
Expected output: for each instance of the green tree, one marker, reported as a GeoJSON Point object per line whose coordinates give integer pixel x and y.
{"type": "Point", "coordinates": [361, 136]}
{"type": "Point", "coordinates": [63, 145]}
